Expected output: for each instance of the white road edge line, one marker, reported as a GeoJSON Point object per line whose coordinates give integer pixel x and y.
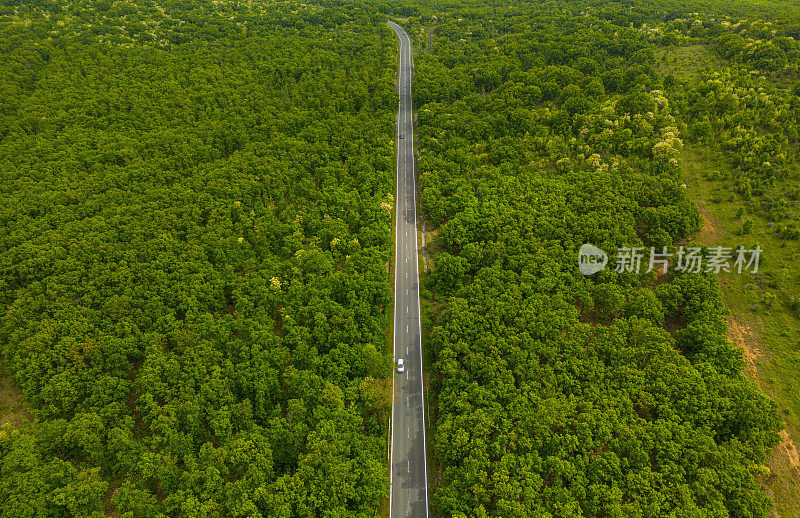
{"type": "Point", "coordinates": [419, 318]}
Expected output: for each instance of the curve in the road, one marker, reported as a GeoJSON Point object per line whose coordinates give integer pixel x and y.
{"type": "Point", "coordinates": [408, 495]}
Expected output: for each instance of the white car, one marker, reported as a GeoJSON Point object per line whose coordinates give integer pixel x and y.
{"type": "Point", "coordinates": [400, 366]}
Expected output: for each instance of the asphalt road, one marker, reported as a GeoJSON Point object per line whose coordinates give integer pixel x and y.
{"type": "Point", "coordinates": [409, 476]}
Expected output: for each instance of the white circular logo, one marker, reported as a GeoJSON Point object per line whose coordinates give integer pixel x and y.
{"type": "Point", "coordinates": [591, 259]}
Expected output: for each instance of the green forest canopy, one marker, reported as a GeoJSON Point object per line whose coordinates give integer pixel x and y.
{"type": "Point", "coordinates": [193, 256]}
{"type": "Point", "coordinates": [556, 394]}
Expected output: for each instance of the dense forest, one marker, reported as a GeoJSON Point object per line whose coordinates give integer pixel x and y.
{"type": "Point", "coordinates": [563, 395]}
{"type": "Point", "coordinates": [193, 247]}
{"type": "Point", "coordinates": [196, 240]}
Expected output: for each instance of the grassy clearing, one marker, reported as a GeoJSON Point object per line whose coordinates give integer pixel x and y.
{"type": "Point", "coordinates": [759, 321]}
{"type": "Point", "coordinates": [12, 409]}
{"type": "Point", "coordinates": [685, 63]}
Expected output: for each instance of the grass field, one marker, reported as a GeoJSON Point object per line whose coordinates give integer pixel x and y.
{"type": "Point", "coordinates": [759, 320]}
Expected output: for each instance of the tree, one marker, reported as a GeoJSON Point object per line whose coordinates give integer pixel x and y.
{"type": "Point", "coordinates": [449, 272]}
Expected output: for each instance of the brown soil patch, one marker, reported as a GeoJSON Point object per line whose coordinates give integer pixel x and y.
{"type": "Point", "coordinates": [708, 226]}
{"type": "Point", "coordinates": [708, 233]}
{"type": "Point", "coordinates": [742, 335]}
{"type": "Point", "coordinates": [788, 448]}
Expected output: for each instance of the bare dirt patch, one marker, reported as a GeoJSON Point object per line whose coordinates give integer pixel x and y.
{"type": "Point", "coordinates": [709, 232]}
{"type": "Point", "coordinates": [788, 448]}
{"type": "Point", "coordinates": [708, 225]}
{"type": "Point", "coordinates": [741, 334]}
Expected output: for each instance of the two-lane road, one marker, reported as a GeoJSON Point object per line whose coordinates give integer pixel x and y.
{"type": "Point", "coordinates": [409, 474]}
